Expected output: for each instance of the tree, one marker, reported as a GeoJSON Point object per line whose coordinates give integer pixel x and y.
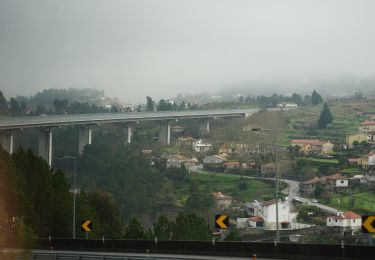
{"type": "Point", "coordinates": [241, 99]}
{"type": "Point", "coordinates": [149, 104]}
{"type": "Point", "coordinates": [3, 103]}
{"type": "Point", "coordinates": [163, 228]}
{"type": "Point", "coordinates": [134, 230]}
{"type": "Point", "coordinates": [307, 100]}
{"type": "Point", "coordinates": [325, 117]}
{"type": "Point", "coordinates": [108, 213]}
{"type": "Point", "coordinates": [189, 226]}
{"type": "Point", "coordinates": [316, 99]}
{"type": "Point", "coordinates": [14, 106]}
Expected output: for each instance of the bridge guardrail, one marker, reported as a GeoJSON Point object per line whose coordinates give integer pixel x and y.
{"type": "Point", "coordinates": [270, 250]}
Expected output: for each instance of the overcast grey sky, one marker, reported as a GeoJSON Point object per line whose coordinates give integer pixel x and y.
{"type": "Point", "coordinates": [134, 48]}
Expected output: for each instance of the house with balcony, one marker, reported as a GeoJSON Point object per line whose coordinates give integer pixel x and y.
{"type": "Point", "coordinates": [336, 181]}
{"type": "Point", "coordinates": [201, 146]}
{"type": "Point", "coordinates": [367, 126]}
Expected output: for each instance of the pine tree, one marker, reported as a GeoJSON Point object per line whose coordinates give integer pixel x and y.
{"type": "Point", "coordinates": [325, 117]}
{"type": "Point", "coordinates": [3, 103]}
{"type": "Point", "coordinates": [316, 98]}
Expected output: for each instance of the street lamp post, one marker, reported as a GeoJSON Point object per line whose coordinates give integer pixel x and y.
{"type": "Point", "coordinates": [74, 191]}
{"type": "Point", "coordinates": [274, 133]}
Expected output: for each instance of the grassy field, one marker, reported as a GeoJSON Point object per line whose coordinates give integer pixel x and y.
{"type": "Point", "coordinates": [317, 161]}
{"type": "Point", "coordinates": [362, 203]}
{"type": "Point", "coordinates": [345, 120]}
{"type": "Point", "coordinates": [229, 185]}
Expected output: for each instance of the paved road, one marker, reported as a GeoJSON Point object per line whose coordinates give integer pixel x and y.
{"type": "Point", "coordinates": [292, 191]}
{"type": "Point", "coordinates": [137, 255]}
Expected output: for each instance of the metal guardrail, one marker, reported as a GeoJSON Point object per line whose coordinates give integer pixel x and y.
{"type": "Point", "coordinates": [78, 256]}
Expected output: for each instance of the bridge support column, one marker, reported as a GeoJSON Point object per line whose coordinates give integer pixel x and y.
{"type": "Point", "coordinates": [7, 141]}
{"type": "Point", "coordinates": [165, 134]}
{"type": "Point", "coordinates": [208, 126]}
{"type": "Point", "coordinates": [84, 138]}
{"type": "Point", "coordinates": [45, 145]}
{"type": "Point", "coordinates": [129, 135]}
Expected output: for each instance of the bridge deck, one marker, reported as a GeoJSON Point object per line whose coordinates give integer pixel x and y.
{"type": "Point", "coordinates": [60, 120]}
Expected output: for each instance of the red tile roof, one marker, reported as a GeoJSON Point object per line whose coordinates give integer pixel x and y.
{"type": "Point", "coordinates": [232, 163]}
{"type": "Point", "coordinates": [346, 215]}
{"type": "Point", "coordinates": [336, 176]}
{"type": "Point", "coordinates": [256, 218]}
{"type": "Point", "coordinates": [351, 215]}
{"type": "Point", "coordinates": [368, 122]}
{"type": "Point", "coordinates": [312, 181]}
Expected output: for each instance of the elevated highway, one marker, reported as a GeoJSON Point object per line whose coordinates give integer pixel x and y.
{"type": "Point", "coordinates": [85, 122]}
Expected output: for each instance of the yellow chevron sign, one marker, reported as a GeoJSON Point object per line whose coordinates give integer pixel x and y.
{"type": "Point", "coordinates": [86, 226]}
{"type": "Point", "coordinates": [222, 221]}
{"type": "Point", "coordinates": [368, 224]}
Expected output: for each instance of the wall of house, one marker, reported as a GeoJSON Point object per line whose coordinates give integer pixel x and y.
{"type": "Point", "coordinates": [270, 213]}
{"type": "Point", "coordinates": [371, 160]}
{"type": "Point", "coordinates": [341, 183]}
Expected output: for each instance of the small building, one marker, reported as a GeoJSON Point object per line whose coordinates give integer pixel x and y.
{"type": "Point", "coordinates": [186, 141]}
{"type": "Point", "coordinates": [367, 161]}
{"type": "Point", "coordinates": [309, 186]}
{"type": "Point", "coordinates": [175, 160]}
{"type": "Point", "coordinates": [369, 179]}
{"type": "Point", "coordinates": [347, 220]}
{"type": "Point", "coordinates": [313, 146]}
{"type": "Point", "coordinates": [289, 105]}
{"type": "Point", "coordinates": [201, 146]}
{"type": "Point", "coordinates": [353, 161]}
{"type": "Point", "coordinates": [222, 201]}
{"type": "Point", "coordinates": [256, 221]}
{"type": "Point", "coordinates": [225, 150]}
{"type": "Point", "coordinates": [337, 181]}
{"type": "Point", "coordinates": [367, 126]}
{"type": "Point", "coordinates": [177, 129]}
{"type": "Point", "coordinates": [268, 168]}
{"type": "Point", "coordinates": [213, 159]}
{"type": "Point", "coordinates": [267, 211]}
{"type": "Point", "coordinates": [231, 165]}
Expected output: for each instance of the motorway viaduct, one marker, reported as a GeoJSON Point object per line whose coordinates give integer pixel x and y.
{"type": "Point", "coordinates": [85, 122]}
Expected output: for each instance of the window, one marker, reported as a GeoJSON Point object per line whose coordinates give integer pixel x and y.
{"type": "Point", "coordinates": [342, 181]}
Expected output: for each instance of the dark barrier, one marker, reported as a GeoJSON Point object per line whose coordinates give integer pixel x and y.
{"type": "Point", "coordinates": [247, 249]}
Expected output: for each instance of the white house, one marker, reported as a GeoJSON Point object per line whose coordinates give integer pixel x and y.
{"type": "Point", "coordinates": [338, 181]}
{"type": "Point", "coordinates": [267, 211]}
{"type": "Point", "coordinates": [202, 146]}
{"type": "Point", "coordinates": [347, 220]}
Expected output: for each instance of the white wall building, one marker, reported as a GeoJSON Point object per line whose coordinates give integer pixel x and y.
{"type": "Point", "coordinates": [346, 220]}
{"type": "Point", "coordinates": [202, 146]}
{"type": "Point", "coordinates": [267, 211]}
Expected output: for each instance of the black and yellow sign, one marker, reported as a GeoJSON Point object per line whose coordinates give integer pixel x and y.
{"type": "Point", "coordinates": [86, 225]}
{"type": "Point", "coordinates": [222, 221]}
{"type": "Point", "coordinates": [368, 224]}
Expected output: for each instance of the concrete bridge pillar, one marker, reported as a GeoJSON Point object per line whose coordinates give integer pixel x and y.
{"type": "Point", "coordinates": [129, 135]}
{"type": "Point", "coordinates": [165, 134]}
{"type": "Point", "coordinates": [45, 145]}
{"type": "Point", "coordinates": [7, 141]}
{"type": "Point", "coordinates": [84, 138]}
{"type": "Point", "coordinates": [207, 126]}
